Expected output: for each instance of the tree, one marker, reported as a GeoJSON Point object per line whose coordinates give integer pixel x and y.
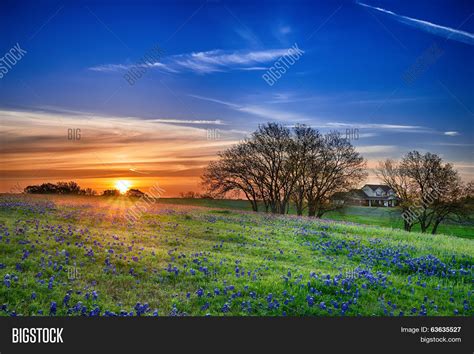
{"type": "Point", "coordinates": [430, 191]}
{"type": "Point", "coordinates": [88, 191]}
{"type": "Point", "coordinates": [395, 176]}
{"type": "Point", "coordinates": [273, 154]}
{"type": "Point", "coordinates": [337, 167]}
{"type": "Point", "coordinates": [277, 165]}
{"type": "Point", "coordinates": [67, 188]}
{"type": "Point", "coordinates": [233, 173]}
{"type": "Point", "coordinates": [134, 193]}
{"type": "Point", "coordinates": [111, 193]}
{"type": "Point", "coordinates": [189, 195]}
{"type": "Point", "coordinates": [58, 188]}
{"type": "Point", "coordinates": [309, 146]}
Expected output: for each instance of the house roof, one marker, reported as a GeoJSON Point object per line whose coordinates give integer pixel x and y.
{"type": "Point", "coordinates": [384, 187]}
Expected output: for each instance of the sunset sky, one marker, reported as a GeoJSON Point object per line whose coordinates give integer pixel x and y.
{"type": "Point", "coordinates": [206, 91]}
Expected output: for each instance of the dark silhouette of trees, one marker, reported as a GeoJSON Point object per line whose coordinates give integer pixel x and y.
{"type": "Point", "coordinates": [45, 188]}
{"type": "Point", "coordinates": [277, 165]}
{"type": "Point", "coordinates": [67, 188]}
{"type": "Point", "coordinates": [111, 193]}
{"type": "Point", "coordinates": [134, 193]}
{"type": "Point", "coordinates": [59, 188]}
{"type": "Point", "coordinates": [309, 142]}
{"type": "Point", "coordinates": [273, 164]}
{"type": "Point", "coordinates": [233, 173]}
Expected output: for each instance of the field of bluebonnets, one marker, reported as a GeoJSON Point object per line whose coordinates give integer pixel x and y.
{"type": "Point", "coordinates": [79, 256]}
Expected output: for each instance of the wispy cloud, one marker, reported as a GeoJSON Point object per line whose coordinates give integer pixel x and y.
{"type": "Point", "coordinates": [186, 121]}
{"type": "Point", "coordinates": [451, 133]}
{"type": "Point", "coordinates": [206, 62]}
{"type": "Point", "coordinates": [120, 67]}
{"type": "Point", "coordinates": [269, 113]}
{"type": "Point", "coordinates": [380, 126]}
{"type": "Point", "coordinates": [377, 149]}
{"type": "Point", "coordinates": [442, 31]}
{"type": "Point", "coordinates": [115, 145]}
{"type": "Point", "coordinates": [260, 111]}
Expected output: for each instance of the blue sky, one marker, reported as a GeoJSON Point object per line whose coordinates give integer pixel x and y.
{"type": "Point", "coordinates": [351, 74]}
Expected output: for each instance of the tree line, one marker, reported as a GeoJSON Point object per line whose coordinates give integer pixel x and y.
{"type": "Point", "coordinates": [72, 188]}
{"type": "Point", "coordinates": [59, 188]}
{"type": "Point", "coordinates": [277, 166]}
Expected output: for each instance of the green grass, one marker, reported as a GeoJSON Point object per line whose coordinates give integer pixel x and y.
{"type": "Point", "coordinates": [379, 216]}
{"type": "Point", "coordinates": [249, 263]}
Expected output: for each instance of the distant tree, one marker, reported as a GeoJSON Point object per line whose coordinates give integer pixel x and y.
{"type": "Point", "coordinates": [45, 188]}
{"type": "Point", "coordinates": [206, 196]}
{"type": "Point", "coordinates": [189, 195]}
{"type": "Point", "coordinates": [88, 191]}
{"type": "Point", "coordinates": [67, 188]}
{"type": "Point", "coordinates": [111, 193]}
{"type": "Point", "coordinates": [58, 188]}
{"type": "Point", "coordinates": [135, 193]}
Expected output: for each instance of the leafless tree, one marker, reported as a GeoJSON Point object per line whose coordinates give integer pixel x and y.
{"type": "Point", "coordinates": [233, 173]}
{"type": "Point", "coordinates": [277, 165]}
{"type": "Point", "coordinates": [396, 177]}
{"type": "Point", "coordinates": [309, 144]}
{"type": "Point", "coordinates": [337, 167]}
{"type": "Point", "coordinates": [430, 191]}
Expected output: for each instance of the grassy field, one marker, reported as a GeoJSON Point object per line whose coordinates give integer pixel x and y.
{"type": "Point", "coordinates": [79, 256]}
{"type": "Point", "coordinates": [379, 216]}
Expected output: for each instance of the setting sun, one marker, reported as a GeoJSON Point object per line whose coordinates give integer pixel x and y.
{"type": "Point", "coordinates": [123, 186]}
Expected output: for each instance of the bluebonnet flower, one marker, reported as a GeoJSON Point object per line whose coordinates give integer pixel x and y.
{"type": "Point", "coordinates": [50, 284]}
{"type": "Point", "coordinates": [52, 308]}
{"type": "Point", "coordinates": [6, 280]}
{"type": "Point", "coordinates": [66, 299]}
{"type": "Point", "coordinates": [225, 308]}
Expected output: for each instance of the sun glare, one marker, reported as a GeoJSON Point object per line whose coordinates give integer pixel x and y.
{"type": "Point", "coordinates": [123, 186]}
